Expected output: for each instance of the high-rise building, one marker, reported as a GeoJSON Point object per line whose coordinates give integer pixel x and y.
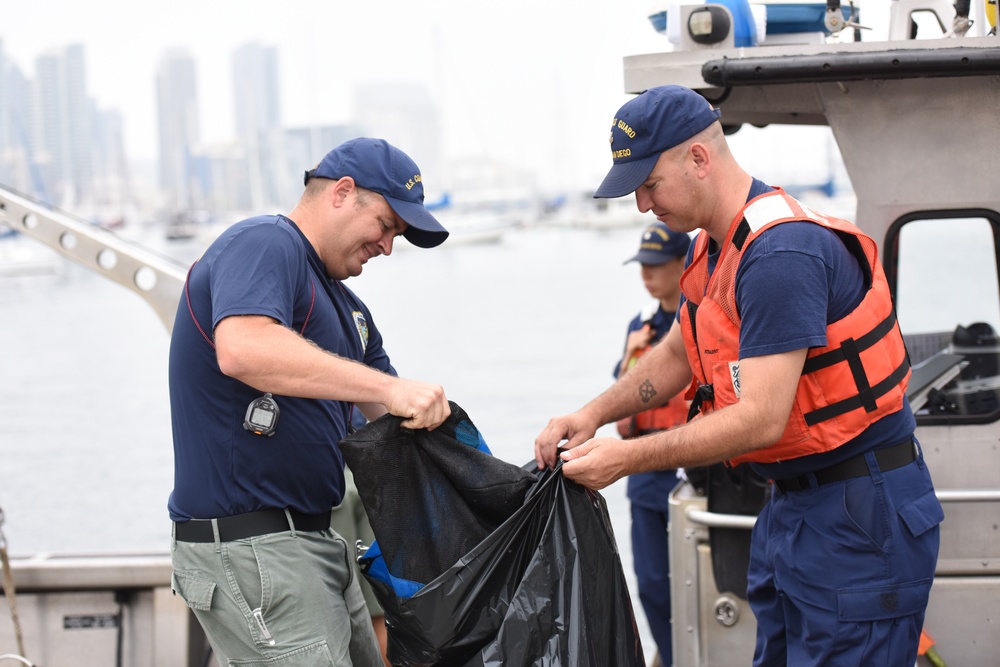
{"type": "Point", "coordinates": [112, 183]}
{"type": "Point", "coordinates": [179, 129]}
{"type": "Point", "coordinates": [5, 109]}
{"type": "Point", "coordinates": [257, 105]}
{"type": "Point", "coordinates": [79, 123]}
{"type": "Point", "coordinates": [255, 86]}
{"type": "Point", "coordinates": [10, 108]}
{"type": "Point", "coordinates": [59, 125]}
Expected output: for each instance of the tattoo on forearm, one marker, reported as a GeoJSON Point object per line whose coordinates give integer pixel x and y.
{"type": "Point", "coordinates": [646, 391]}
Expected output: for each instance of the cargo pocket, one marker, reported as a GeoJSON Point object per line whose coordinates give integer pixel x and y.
{"type": "Point", "coordinates": [195, 590]}
{"type": "Point", "coordinates": [922, 514]}
{"type": "Point", "coordinates": [881, 625]}
{"type": "Point", "coordinates": [314, 655]}
{"type": "Point", "coordinates": [883, 602]}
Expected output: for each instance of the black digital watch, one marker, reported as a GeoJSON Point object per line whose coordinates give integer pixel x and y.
{"type": "Point", "coordinates": [262, 416]}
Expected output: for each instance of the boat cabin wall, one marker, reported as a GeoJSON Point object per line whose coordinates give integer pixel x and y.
{"type": "Point", "coordinates": [916, 145]}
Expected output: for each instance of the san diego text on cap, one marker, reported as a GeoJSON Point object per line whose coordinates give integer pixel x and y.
{"type": "Point", "coordinates": [654, 121]}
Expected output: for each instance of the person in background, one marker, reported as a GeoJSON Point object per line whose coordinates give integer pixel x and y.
{"type": "Point", "coordinates": [350, 521]}
{"type": "Point", "coordinates": [269, 352]}
{"type": "Point", "coordinates": [788, 338]}
{"type": "Point", "coordinates": [661, 256]}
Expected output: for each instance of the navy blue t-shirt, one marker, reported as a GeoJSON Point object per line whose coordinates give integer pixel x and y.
{"type": "Point", "coordinates": [793, 280]}
{"type": "Point", "coordinates": [651, 489]}
{"type": "Point", "coordinates": [260, 266]}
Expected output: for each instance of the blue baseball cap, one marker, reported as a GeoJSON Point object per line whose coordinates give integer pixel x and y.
{"type": "Point", "coordinates": [659, 245]}
{"type": "Point", "coordinates": [654, 121]}
{"type": "Point", "coordinates": [376, 165]}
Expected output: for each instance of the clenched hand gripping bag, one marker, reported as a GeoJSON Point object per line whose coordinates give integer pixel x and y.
{"type": "Point", "coordinates": [478, 562]}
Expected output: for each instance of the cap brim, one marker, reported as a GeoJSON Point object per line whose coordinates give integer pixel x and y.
{"type": "Point", "coordinates": [649, 258]}
{"type": "Point", "coordinates": [626, 177]}
{"type": "Point", "coordinates": [422, 229]}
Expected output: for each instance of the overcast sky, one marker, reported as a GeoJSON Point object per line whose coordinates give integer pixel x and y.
{"type": "Point", "coordinates": [518, 80]}
{"type": "Point", "coordinates": [529, 83]}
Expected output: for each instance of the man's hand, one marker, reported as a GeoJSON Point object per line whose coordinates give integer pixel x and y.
{"type": "Point", "coordinates": [423, 405]}
{"type": "Point", "coordinates": [575, 428]}
{"type": "Point", "coordinates": [596, 463]}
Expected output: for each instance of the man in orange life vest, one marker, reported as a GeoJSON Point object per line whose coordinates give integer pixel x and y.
{"type": "Point", "coordinates": [661, 256]}
{"type": "Point", "coordinates": [799, 368]}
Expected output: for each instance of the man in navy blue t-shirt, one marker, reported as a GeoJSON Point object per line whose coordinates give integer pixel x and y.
{"type": "Point", "coordinates": [788, 333]}
{"type": "Point", "coordinates": [270, 352]}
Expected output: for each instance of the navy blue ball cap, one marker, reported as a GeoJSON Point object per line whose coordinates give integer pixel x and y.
{"type": "Point", "coordinates": [654, 121]}
{"type": "Point", "coordinates": [659, 245]}
{"type": "Point", "coordinates": [376, 165]}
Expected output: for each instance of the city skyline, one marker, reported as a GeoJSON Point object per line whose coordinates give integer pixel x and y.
{"type": "Point", "coordinates": [64, 139]}
{"type": "Point", "coordinates": [520, 90]}
{"type": "Point", "coordinates": [532, 85]}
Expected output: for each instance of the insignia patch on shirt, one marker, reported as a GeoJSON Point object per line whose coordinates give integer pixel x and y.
{"type": "Point", "coordinates": [734, 375]}
{"type": "Point", "coordinates": [362, 325]}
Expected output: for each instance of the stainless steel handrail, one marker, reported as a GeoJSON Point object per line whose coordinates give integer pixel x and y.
{"type": "Point", "coordinates": [969, 495]}
{"type": "Point", "coordinates": [715, 520]}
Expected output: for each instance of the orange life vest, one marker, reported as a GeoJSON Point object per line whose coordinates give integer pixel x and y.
{"type": "Point", "coordinates": [671, 414]}
{"type": "Point", "coordinates": [860, 375]}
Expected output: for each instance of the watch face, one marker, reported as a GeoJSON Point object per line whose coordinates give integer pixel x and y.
{"type": "Point", "coordinates": [262, 417]}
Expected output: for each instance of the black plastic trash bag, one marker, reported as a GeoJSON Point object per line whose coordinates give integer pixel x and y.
{"type": "Point", "coordinates": [430, 496]}
{"type": "Point", "coordinates": [538, 580]}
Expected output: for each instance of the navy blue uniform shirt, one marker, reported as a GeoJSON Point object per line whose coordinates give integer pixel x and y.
{"type": "Point", "coordinates": [260, 266]}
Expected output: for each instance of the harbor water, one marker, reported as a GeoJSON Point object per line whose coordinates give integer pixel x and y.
{"type": "Point", "coordinates": [517, 331]}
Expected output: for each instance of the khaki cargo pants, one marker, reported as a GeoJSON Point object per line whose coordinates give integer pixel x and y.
{"type": "Point", "coordinates": [288, 599]}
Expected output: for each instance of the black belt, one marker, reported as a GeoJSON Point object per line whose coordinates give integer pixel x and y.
{"type": "Point", "coordinates": [888, 459]}
{"type": "Point", "coordinates": [251, 524]}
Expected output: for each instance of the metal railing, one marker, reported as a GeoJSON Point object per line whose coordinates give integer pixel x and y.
{"type": "Point", "coordinates": [157, 279]}
{"type": "Point", "coordinates": [715, 520]}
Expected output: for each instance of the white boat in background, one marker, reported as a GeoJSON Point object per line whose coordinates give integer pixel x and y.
{"type": "Point", "coordinates": [469, 229]}
{"type": "Point", "coordinates": [582, 211]}
{"type": "Point", "coordinates": [476, 228]}
{"type": "Point", "coordinates": [477, 215]}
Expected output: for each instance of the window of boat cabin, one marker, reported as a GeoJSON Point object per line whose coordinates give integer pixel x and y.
{"type": "Point", "coordinates": [942, 269]}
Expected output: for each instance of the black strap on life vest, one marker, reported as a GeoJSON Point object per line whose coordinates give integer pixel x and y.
{"type": "Point", "coordinates": [704, 392]}
{"type": "Point", "coordinates": [850, 351]}
{"type": "Point", "coordinates": [741, 234]}
{"type": "Point", "coordinates": [865, 398]}
{"type": "Point", "coordinates": [835, 356]}
{"type": "Point", "coordinates": [692, 309]}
